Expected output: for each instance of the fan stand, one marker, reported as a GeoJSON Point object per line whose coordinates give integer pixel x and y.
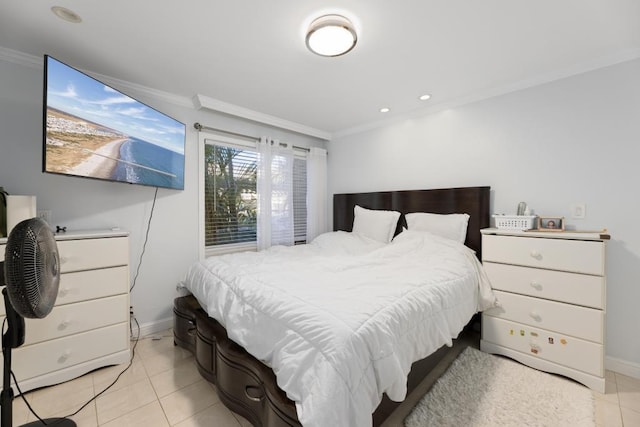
{"type": "Point", "coordinates": [14, 338]}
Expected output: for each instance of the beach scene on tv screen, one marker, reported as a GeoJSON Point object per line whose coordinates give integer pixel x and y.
{"type": "Point", "coordinates": [95, 131]}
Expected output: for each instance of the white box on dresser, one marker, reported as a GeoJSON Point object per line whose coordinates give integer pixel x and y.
{"type": "Point", "coordinates": [88, 327]}
{"type": "Point", "coordinates": [551, 289]}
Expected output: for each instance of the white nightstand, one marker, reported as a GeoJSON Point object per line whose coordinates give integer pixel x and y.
{"type": "Point", "coordinates": [552, 292]}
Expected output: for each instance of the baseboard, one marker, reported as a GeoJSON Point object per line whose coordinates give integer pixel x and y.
{"type": "Point", "coordinates": [152, 328]}
{"type": "Point", "coordinates": [623, 367]}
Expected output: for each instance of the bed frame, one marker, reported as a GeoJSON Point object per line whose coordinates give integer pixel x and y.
{"type": "Point", "coordinates": [247, 386]}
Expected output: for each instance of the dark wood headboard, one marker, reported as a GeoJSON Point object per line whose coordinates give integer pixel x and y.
{"type": "Point", "coordinates": [473, 201]}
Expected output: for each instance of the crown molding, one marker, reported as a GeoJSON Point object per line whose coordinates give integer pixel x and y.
{"type": "Point", "coordinates": [205, 102]}
{"type": "Point", "coordinates": [585, 67]}
{"type": "Point", "coordinates": [20, 58]}
{"type": "Point", "coordinates": [182, 101]}
{"type": "Point", "coordinates": [37, 62]}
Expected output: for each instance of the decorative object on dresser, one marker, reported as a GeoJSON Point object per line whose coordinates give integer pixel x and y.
{"type": "Point", "coordinates": [551, 290]}
{"type": "Point", "coordinates": [551, 223]}
{"type": "Point", "coordinates": [32, 277]}
{"type": "Point", "coordinates": [515, 222]}
{"type": "Point", "coordinates": [19, 208]}
{"type": "Point", "coordinates": [247, 385]}
{"type": "Point", "coordinates": [3, 212]}
{"type": "Point", "coordinates": [88, 327]}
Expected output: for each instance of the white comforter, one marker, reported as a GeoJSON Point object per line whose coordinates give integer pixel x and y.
{"type": "Point", "coordinates": [342, 319]}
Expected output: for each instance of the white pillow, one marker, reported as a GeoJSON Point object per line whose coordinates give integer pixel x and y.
{"type": "Point", "coordinates": [451, 226]}
{"type": "Point", "coordinates": [375, 224]}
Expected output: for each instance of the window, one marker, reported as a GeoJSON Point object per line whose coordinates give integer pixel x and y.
{"type": "Point", "coordinates": [300, 200]}
{"type": "Point", "coordinates": [230, 196]}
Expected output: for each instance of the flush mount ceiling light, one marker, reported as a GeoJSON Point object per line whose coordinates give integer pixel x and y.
{"type": "Point", "coordinates": [66, 14]}
{"type": "Point", "coordinates": [425, 97]}
{"type": "Point", "coordinates": [331, 35]}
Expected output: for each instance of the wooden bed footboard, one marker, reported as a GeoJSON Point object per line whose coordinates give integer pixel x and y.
{"type": "Point", "coordinates": [244, 384]}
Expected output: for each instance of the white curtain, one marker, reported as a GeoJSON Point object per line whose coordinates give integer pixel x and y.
{"type": "Point", "coordinates": [317, 221]}
{"type": "Point", "coordinates": [275, 194]}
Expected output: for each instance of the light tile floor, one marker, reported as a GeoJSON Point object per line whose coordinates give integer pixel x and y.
{"type": "Point", "coordinates": [163, 388]}
{"type": "Point", "coordinates": [620, 403]}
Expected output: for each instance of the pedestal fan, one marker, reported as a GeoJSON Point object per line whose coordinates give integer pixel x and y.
{"type": "Point", "coordinates": [31, 278]}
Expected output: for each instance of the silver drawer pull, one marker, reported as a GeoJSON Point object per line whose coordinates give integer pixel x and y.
{"type": "Point", "coordinates": [535, 316]}
{"type": "Point", "coordinates": [65, 356]}
{"type": "Point", "coordinates": [535, 254]}
{"type": "Point", "coordinates": [254, 393]}
{"type": "Point", "coordinates": [63, 325]}
{"type": "Point", "coordinates": [536, 285]}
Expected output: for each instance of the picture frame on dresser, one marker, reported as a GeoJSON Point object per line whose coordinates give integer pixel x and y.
{"type": "Point", "coordinates": [550, 223]}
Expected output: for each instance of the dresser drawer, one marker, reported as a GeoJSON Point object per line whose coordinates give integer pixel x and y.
{"type": "Point", "coordinates": [74, 318]}
{"type": "Point", "coordinates": [52, 355]}
{"type": "Point", "coordinates": [580, 322]}
{"type": "Point", "coordinates": [573, 288]}
{"type": "Point", "coordinates": [572, 352]}
{"type": "Point", "coordinates": [87, 254]}
{"type": "Point", "coordinates": [579, 256]}
{"type": "Point", "coordinates": [92, 284]}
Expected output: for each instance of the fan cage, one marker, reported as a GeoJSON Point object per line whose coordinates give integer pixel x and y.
{"type": "Point", "coordinates": [31, 268]}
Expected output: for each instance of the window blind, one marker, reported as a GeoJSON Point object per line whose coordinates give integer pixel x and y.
{"type": "Point", "coordinates": [300, 200]}
{"type": "Point", "coordinates": [230, 195]}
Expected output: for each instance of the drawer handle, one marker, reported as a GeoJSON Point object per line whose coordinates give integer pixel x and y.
{"type": "Point", "coordinates": [535, 254]}
{"type": "Point", "coordinates": [191, 328]}
{"type": "Point", "coordinates": [536, 285]}
{"type": "Point", "coordinates": [254, 393]}
{"type": "Point", "coordinates": [63, 260]}
{"type": "Point", "coordinates": [63, 292]}
{"type": "Point", "coordinates": [63, 325]}
{"type": "Point", "coordinates": [535, 316]}
{"type": "Point", "coordinates": [65, 356]}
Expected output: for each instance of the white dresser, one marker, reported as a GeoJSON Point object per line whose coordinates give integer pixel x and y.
{"type": "Point", "coordinates": [88, 327]}
{"type": "Point", "coordinates": [551, 288]}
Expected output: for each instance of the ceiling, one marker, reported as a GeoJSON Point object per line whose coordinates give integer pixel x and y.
{"type": "Point", "coordinates": [251, 53]}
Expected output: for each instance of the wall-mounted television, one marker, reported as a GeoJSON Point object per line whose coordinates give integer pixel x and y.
{"type": "Point", "coordinates": [95, 131]}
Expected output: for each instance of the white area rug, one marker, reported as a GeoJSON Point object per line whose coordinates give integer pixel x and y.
{"type": "Point", "coordinates": [480, 389]}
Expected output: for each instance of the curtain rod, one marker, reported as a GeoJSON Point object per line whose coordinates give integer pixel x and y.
{"type": "Point", "coordinates": [200, 127]}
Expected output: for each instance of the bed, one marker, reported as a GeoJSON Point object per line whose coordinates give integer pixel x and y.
{"type": "Point", "coordinates": [355, 350]}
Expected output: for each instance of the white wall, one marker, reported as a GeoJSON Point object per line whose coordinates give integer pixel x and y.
{"type": "Point", "coordinates": [82, 204]}
{"type": "Point", "coordinates": [573, 140]}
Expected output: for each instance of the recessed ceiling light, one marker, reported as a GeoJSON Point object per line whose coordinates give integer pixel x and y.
{"type": "Point", "coordinates": [331, 35]}
{"type": "Point", "coordinates": [66, 14]}
{"type": "Point", "coordinates": [425, 97]}
{"type": "Point", "coordinates": [385, 110]}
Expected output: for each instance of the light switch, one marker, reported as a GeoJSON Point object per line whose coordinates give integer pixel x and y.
{"type": "Point", "coordinates": [578, 211]}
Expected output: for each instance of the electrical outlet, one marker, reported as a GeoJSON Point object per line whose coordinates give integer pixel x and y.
{"type": "Point", "coordinates": [46, 215]}
{"type": "Point", "coordinates": [578, 211]}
